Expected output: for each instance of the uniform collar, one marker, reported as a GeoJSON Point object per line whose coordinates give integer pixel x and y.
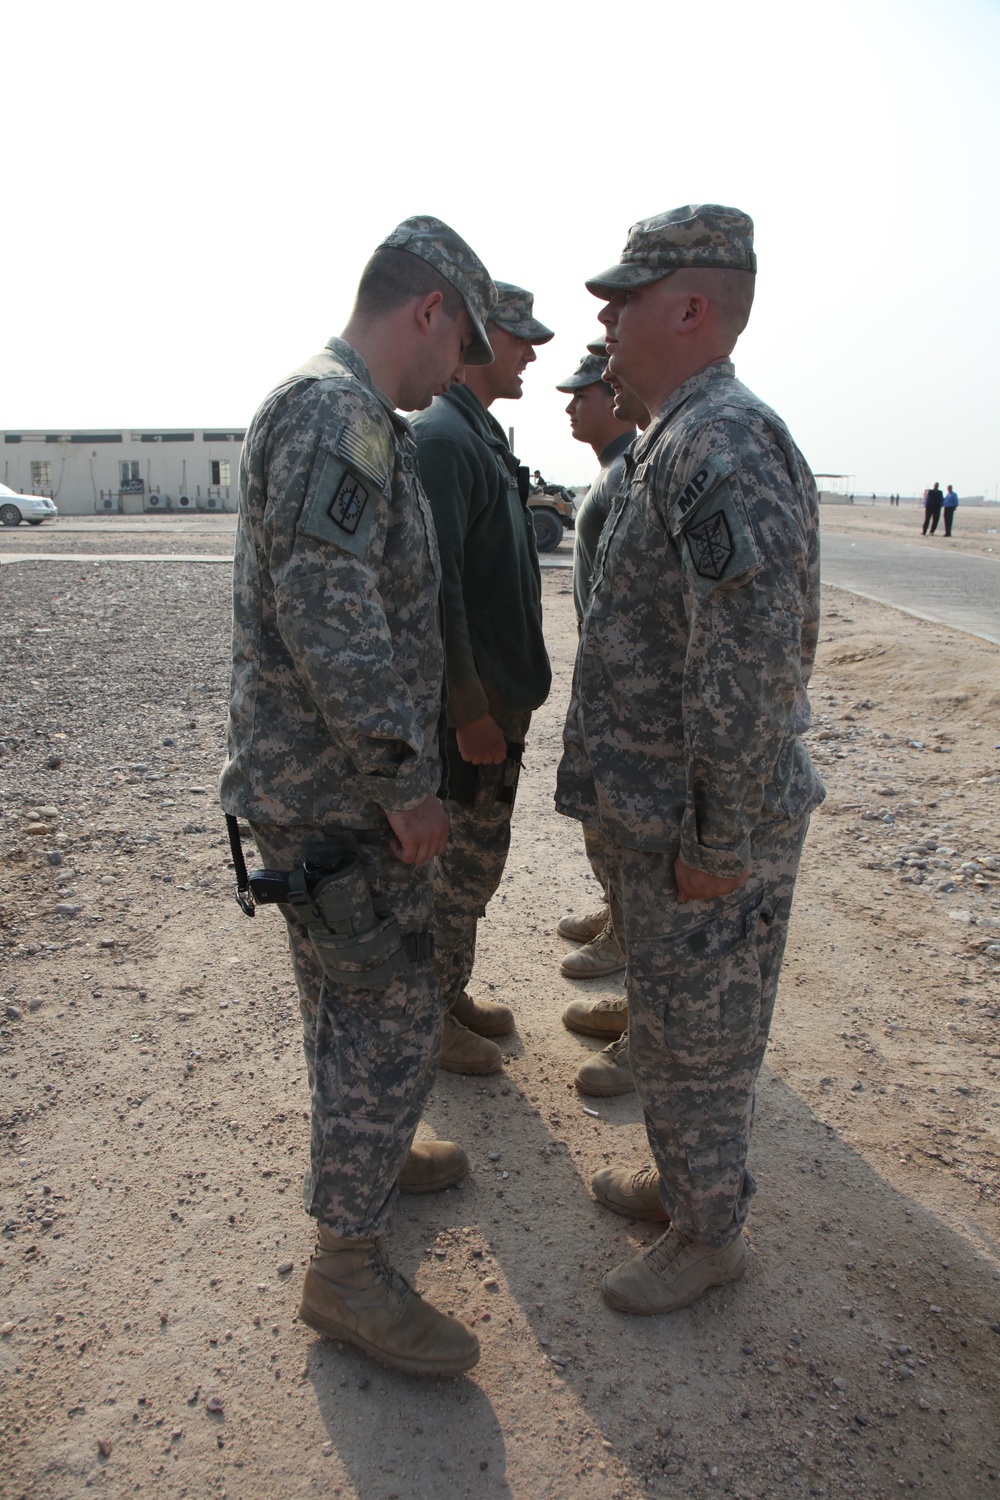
{"type": "Point", "coordinates": [616, 448]}
{"type": "Point", "coordinates": [721, 369]}
{"type": "Point", "coordinates": [475, 413]}
{"type": "Point", "coordinates": [348, 355]}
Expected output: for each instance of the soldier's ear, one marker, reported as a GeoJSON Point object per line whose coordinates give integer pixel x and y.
{"type": "Point", "coordinates": [425, 311]}
{"type": "Point", "coordinates": [693, 313]}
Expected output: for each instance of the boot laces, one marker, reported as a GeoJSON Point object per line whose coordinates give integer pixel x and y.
{"type": "Point", "coordinates": [661, 1255]}
{"type": "Point", "coordinates": [606, 939]}
{"type": "Point", "coordinates": [647, 1179]}
{"type": "Point", "coordinates": [396, 1283]}
{"type": "Point", "coordinates": [619, 1047]}
{"type": "Point", "coordinates": [610, 1002]}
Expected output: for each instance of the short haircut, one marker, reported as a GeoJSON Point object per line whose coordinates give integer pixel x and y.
{"type": "Point", "coordinates": [730, 293]}
{"type": "Point", "coordinates": [393, 277]}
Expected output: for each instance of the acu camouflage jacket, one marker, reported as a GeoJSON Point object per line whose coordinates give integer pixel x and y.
{"type": "Point", "coordinates": [689, 694]}
{"type": "Point", "coordinates": [338, 660]}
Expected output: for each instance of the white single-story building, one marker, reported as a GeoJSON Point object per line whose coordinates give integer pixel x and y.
{"type": "Point", "coordinates": [125, 471]}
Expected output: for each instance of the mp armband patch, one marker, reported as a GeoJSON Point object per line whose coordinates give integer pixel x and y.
{"type": "Point", "coordinates": [709, 518]}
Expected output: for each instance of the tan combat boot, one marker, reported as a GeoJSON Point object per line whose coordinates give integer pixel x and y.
{"type": "Point", "coordinates": [606, 1017]}
{"type": "Point", "coordinates": [672, 1273]}
{"type": "Point", "coordinates": [432, 1166]}
{"type": "Point", "coordinates": [607, 1072]}
{"type": "Point", "coordinates": [462, 1051]}
{"type": "Point", "coordinates": [352, 1293]}
{"type": "Point", "coordinates": [484, 1017]}
{"type": "Point", "coordinates": [635, 1195]}
{"type": "Point", "coordinates": [602, 955]}
{"type": "Point", "coordinates": [584, 929]}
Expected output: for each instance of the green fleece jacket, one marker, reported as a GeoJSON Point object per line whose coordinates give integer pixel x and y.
{"type": "Point", "coordinates": [495, 654]}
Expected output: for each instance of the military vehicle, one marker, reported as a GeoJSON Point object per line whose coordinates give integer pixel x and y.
{"type": "Point", "coordinates": [553, 509]}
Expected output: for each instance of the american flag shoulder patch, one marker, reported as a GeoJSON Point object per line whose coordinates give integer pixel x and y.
{"type": "Point", "coordinates": [365, 450]}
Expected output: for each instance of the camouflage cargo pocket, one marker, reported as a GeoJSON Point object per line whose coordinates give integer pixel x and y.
{"type": "Point", "coordinates": [697, 991]}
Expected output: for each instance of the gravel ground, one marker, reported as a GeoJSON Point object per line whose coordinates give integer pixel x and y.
{"type": "Point", "coordinates": [154, 1119]}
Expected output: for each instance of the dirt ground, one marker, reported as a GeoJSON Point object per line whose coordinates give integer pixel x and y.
{"type": "Point", "coordinates": [153, 1123]}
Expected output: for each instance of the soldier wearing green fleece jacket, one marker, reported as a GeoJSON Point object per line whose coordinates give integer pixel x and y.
{"type": "Point", "coordinates": [497, 668]}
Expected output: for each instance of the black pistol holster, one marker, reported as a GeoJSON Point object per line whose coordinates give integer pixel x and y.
{"type": "Point", "coordinates": [355, 937]}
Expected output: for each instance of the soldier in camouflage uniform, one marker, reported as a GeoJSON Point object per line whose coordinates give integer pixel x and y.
{"type": "Point", "coordinates": [605, 1073]}
{"type": "Point", "coordinates": [497, 666]}
{"type": "Point", "coordinates": [334, 739]}
{"type": "Point", "coordinates": [683, 735]}
{"type": "Point", "coordinates": [592, 420]}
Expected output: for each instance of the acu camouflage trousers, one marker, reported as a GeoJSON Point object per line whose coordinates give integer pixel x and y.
{"type": "Point", "coordinates": [604, 863]}
{"type": "Point", "coordinates": [372, 1055]}
{"type": "Point", "coordinates": [701, 982]}
{"type": "Point", "coordinates": [470, 870]}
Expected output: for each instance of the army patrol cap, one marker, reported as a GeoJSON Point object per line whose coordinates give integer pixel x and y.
{"type": "Point", "coordinates": [599, 349]}
{"type": "Point", "coordinates": [458, 263]}
{"type": "Point", "coordinates": [700, 235]}
{"type": "Point", "coordinates": [590, 371]}
{"type": "Point", "coordinates": [513, 313]}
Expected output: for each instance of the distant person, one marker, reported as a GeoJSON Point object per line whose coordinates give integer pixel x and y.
{"type": "Point", "coordinates": [949, 505]}
{"type": "Point", "coordinates": [933, 501]}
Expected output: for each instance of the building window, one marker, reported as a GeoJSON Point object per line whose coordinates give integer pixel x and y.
{"type": "Point", "coordinates": [220, 470]}
{"type": "Point", "coordinates": [128, 469]}
{"type": "Point", "coordinates": [41, 474]}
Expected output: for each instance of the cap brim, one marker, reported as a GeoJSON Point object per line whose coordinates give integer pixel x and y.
{"type": "Point", "coordinates": [526, 328]}
{"type": "Point", "coordinates": [579, 383]}
{"type": "Point", "coordinates": [479, 351]}
{"type": "Point", "coordinates": [619, 278]}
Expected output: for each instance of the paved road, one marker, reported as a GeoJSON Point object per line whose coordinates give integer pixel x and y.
{"type": "Point", "coordinates": [950, 588]}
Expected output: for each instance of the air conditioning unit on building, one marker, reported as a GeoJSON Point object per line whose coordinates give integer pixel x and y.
{"type": "Point", "coordinates": [186, 502]}
{"type": "Point", "coordinates": [158, 501]}
{"type": "Point", "coordinates": [212, 502]}
{"type": "Point", "coordinates": [107, 502]}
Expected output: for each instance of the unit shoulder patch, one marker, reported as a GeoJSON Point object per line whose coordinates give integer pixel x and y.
{"type": "Point", "coordinates": [711, 545]}
{"type": "Point", "coordinates": [708, 515]}
{"type": "Point", "coordinates": [341, 504]}
{"type": "Point", "coordinates": [348, 504]}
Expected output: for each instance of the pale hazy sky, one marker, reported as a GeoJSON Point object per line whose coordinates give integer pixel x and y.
{"type": "Point", "coordinates": [190, 191]}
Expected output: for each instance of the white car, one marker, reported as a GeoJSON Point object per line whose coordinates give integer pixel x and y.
{"type": "Point", "coordinates": [15, 508]}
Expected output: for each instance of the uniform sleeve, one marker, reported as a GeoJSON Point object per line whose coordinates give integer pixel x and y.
{"type": "Point", "coordinates": [737, 517]}
{"type": "Point", "coordinates": [590, 522]}
{"type": "Point", "coordinates": [328, 511]}
{"type": "Point", "coordinates": [456, 490]}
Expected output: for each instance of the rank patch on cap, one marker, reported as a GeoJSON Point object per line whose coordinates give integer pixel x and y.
{"type": "Point", "coordinates": [711, 545]}
{"type": "Point", "coordinates": [348, 504]}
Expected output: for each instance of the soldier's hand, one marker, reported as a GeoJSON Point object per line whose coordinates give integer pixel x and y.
{"type": "Point", "coordinates": [421, 833]}
{"type": "Point", "coordinates": [697, 885]}
{"type": "Point", "coordinates": [482, 742]}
